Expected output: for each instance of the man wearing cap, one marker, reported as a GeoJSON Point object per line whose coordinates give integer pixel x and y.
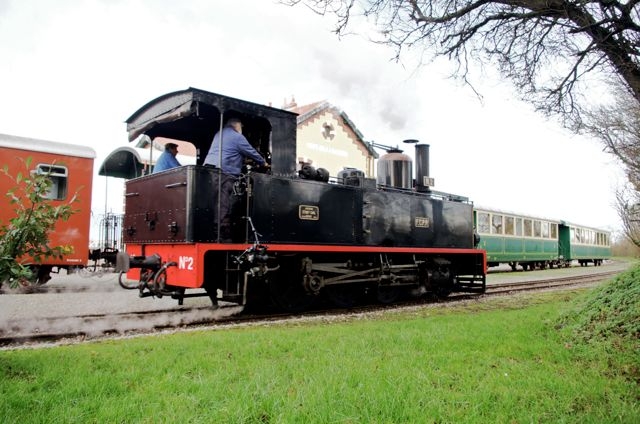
{"type": "Point", "coordinates": [235, 148]}
{"type": "Point", "coordinates": [167, 159]}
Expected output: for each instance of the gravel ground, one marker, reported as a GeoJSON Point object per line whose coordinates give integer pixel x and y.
{"type": "Point", "coordinates": [83, 293]}
{"type": "Point", "coordinates": [88, 293]}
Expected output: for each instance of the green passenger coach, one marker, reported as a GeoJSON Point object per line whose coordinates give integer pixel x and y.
{"type": "Point", "coordinates": [583, 244]}
{"type": "Point", "coordinates": [534, 242]}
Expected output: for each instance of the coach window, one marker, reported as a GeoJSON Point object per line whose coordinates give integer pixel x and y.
{"type": "Point", "coordinates": [554, 230]}
{"type": "Point", "coordinates": [509, 225]}
{"type": "Point", "coordinates": [496, 224]}
{"type": "Point", "coordinates": [483, 223]}
{"type": "Point", "coordinates": [545, 229]}
{"type": "Point", "coordinates": [528, 228]}
{"type": "Point", "coordinates": [537, 229]}
{"type": "Point", "coordinates": [519, 227]}
{"type": "Point", "coordinates": [58, 176]}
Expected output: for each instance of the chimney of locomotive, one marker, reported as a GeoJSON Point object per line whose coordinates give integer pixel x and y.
{"type": "Point", "coordinates": [423, 181]}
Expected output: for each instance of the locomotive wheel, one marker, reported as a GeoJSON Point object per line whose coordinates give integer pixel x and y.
{"type": "Point", "coordinates": [289, 295]}
{"type": "Point", "coordinates": [286, 287]}
{"type": "Point", "coordinates": [443, 291]}
{"type": "Point", "coordinates": [388, 294]}
{"type": "Point", "coordinates": [345, 296]}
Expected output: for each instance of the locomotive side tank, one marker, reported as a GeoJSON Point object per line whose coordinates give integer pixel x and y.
{"type": "Point", "coordinates": [294, 239]}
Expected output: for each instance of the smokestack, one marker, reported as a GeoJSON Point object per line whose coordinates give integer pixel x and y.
{"type": "Point", "coordinates": [423, 181]}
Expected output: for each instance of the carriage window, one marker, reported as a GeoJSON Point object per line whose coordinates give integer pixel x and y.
{"type": "Point", "coordinates": [58, 176]}
{"type": "Point", "coordinates": [496, 224]}
{"type": "Point", "coordinates": [483, 222]}
{"type": "Point", "coordinates": [545, 229]}
{"type": "Point", "coordinates": [554, 231]}
{"type": "Point", "coordinates": [537, 230]}
{"type": "Point", "coordinates": [528, 228]}
{"type": "Point", "coordinates": [509, 225]}
{"type": "Point", "coordinates": [519, 226]}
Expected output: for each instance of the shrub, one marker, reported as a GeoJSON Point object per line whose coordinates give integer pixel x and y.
{"type": "Point", "coordinates": [24, 240]}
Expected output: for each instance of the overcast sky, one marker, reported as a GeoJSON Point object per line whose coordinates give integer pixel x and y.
{"type": "Point", "coordinates": [74, 70]}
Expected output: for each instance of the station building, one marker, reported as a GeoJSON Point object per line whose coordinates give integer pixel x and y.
{"type": "Point", "coordinates": [327, 138]}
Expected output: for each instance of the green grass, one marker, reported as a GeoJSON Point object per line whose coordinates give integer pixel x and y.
{"type": "Point", "coordinates": [505, 360]}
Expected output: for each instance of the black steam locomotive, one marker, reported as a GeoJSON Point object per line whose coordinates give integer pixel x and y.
{"type": "Point", "coordinates": [296, 235]}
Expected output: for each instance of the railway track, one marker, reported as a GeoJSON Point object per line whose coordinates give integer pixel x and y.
{"type": "Point", "coordinates": [90, 327]}
{"type": "Point", "coordinates": [556, 282]}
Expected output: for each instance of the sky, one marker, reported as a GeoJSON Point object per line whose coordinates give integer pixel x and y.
{"type": "Point", "coordinates": [75, 70]}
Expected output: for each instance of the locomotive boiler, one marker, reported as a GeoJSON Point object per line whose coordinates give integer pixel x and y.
{"type": "Point", "coordinates": [297, 235]}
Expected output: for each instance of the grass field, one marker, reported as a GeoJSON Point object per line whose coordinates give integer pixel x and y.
{"type": "Point", "coordinates": [503, 360]}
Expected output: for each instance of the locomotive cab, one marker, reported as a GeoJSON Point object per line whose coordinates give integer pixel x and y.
{"type": "Point", "coordinates": [195, 116]}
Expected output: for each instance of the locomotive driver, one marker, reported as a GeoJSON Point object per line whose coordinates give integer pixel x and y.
{"type": "Point", "coordinates": [235, 148]}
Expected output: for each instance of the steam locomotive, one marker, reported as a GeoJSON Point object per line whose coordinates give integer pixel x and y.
{"type": "Point", "coordinates": [297, 235]}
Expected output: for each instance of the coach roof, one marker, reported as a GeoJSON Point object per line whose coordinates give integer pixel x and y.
{"type": "Point", "coordinates": [46, 146]}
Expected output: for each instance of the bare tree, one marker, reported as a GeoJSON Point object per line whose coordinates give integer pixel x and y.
{"type": "Point", "coordinates": [617, 126]}
{"type": "Point", "coordinates": [552, 50]}
{"type": "Point", "coordinates": [546, 47]}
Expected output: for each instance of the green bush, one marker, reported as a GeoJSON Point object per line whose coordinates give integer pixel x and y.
{"type": "Point", "coordinates": [25, 238]}
{"type": "Point", "coordinates": [609, 316]}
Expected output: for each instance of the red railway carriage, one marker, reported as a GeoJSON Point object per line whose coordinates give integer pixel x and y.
{"type": "Point", "coordinates": [70, 168]}
{"type": "Point", "coordinates": [295, 235]}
